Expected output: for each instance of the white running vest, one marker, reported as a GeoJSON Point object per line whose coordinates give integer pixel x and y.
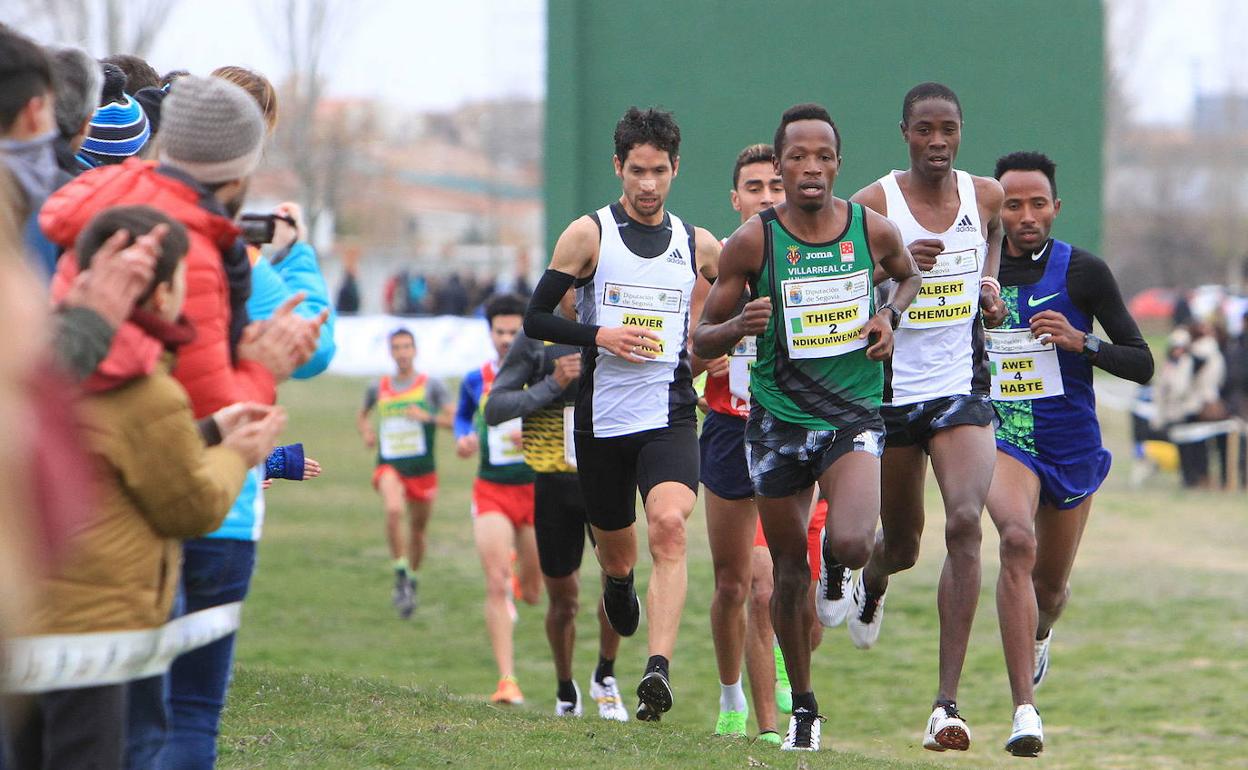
{"type": "Point", "coordinates": [628, 290]}
{"type": "Point", "coordinates": [933, 350]}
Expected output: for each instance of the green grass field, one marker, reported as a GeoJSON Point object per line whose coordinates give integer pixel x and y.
{"type": "Point", "coordinates": [1149, 664]}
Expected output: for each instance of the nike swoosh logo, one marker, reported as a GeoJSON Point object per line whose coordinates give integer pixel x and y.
{"type": "Point", "coordinates": [1033, 301]}
{"type": "Point", "coordinates": [1072, 499]}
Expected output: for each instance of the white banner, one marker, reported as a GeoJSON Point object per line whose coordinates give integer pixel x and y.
{"type": "Point", "coordinates": [446, 346]}
{"type": "Point", "coordinates": [35, 664]}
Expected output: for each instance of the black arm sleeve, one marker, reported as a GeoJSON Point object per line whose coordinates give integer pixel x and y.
{"type": "Point", "coordinates": [520, 388]}
{"type": "Point", "coordinates": [1093, 289]}
{"type": "Point", "coordinates": [540, 321]}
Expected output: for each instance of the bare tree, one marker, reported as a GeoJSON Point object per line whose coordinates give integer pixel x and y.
{"type": "Point", "coordinates": [103, 26]}
{"type": "Point", "coordinates": [308, 33]}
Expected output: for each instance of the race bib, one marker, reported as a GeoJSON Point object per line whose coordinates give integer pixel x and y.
{"type": "Point", "coordinates": [1022, 367]}
{"type": "Point", "coordinates": [740, 361]}
{"type": "Point", "coordinates": [822, 316]}
{"type": "Point", "coordinates": [569, 439]}
{"type": "Point", "coordinates": [662, 311]}
{"type": "Point", "coordinates": [949, 294]}
{"type": "Point", "coordinates": [402, 437]}
{"type": "Point", "coordinates": [503, 450]}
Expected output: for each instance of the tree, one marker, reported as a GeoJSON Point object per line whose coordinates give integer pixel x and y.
{"type": "Point", "coordinates": [110, 26]}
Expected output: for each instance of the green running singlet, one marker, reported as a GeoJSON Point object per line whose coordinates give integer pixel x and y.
{"type": "Point", "coordinates": [812, 369]}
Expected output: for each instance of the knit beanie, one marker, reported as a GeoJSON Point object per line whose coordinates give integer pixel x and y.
{"type": "Point", "coordinates": [119, 128]}
{"type": "Point", "coordinates": [150, 99]}
{"type": "Point", "coordinates": [211, 129]}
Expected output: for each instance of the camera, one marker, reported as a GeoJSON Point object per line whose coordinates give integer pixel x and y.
{"type": "Point", "coordinates": [258, 228]}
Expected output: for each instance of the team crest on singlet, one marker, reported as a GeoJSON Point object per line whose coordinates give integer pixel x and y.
{"type": "Point", "coordinates": [794, 254]}
{"type": "Point", "coordinates": [847, 251]}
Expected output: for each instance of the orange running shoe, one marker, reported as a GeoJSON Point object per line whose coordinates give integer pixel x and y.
{"type": "Point", "coordinates": [508, 692]}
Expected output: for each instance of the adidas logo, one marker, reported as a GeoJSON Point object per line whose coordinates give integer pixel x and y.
{"type": "Point", "coordinates": [965, 225]}
{"type": "Point", "coordinates": [676, 257]}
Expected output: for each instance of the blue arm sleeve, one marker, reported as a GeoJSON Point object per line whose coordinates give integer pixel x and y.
{"type": "Point", "coordinates": [469, 396]}
{"type": "Point", "coordinates": [272, 284]}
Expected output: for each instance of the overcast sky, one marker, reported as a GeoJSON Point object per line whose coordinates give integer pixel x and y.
{"type": "Point", "coordinates": [436, 54]}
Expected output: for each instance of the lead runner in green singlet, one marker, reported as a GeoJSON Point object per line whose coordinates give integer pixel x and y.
{"type": "Point", "coordinates": [818, 381]}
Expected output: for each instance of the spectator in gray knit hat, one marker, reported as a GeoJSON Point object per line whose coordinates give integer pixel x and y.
{"type": "Point", "coordinates": [76, 81]}
{"type": "Point", "coordinates": [213, 131]}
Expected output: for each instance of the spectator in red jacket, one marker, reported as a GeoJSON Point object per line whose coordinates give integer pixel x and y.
{"type": "Point", "coordinates": [211, 139]}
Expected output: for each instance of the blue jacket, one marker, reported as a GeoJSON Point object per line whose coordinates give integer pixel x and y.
{"type": "Point", "coordinates": [271, 285]}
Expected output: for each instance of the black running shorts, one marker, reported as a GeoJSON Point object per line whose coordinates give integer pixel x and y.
{"type": "Point", "coordinates": [724, 471]}
{"type": "Point", "coordinates": [613, 470]}
{"type": "Point", "coordinates": [785, 458]}
{"type": "Point", "coordinates": [559, 523]}
{"type": "Point", "coordinates": [915, 424]}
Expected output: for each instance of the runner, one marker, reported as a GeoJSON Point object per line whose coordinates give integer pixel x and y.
{"type": "Point", "coordinates": [818, 380]}
{"type": "Point", "coordinates": [411, 406]}
{"type": "Point", "coordinates": [635, 428]}
{"type": "Point", "coordinates": [1050, 460]}
{"type": "Point", "coordinates": [502, 498]}
{"type": "Point", "coordinates": [741, 570]}
{"type": "Point", "coordinates": [538, 383]}
{"type": "Point", "coordinates": [936, 386]}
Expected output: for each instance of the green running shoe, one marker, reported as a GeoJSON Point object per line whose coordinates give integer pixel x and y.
{"type": "Point", "coordinates": [784, 691]}
{"type": "Point", "coordinates": [770, 736]}
{"type": "Point", "coordinates": [731, 724]}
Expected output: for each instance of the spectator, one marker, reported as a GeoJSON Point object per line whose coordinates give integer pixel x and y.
{"type": "Point", "coordinates": [1187, 391]}
{"type": "Point", "coordinates": [260, 89]}
{"type": "Point", "coordinates": [139, 74]}
{"type": "Point", "coordinates": [77, 80]}
{"type": "Point", "coordinates": [119, 128]}
{"type": "Point", "coordinates": [156, 483]}
{"type": "Point", "coordinates": [27, 131]}
{"type": "Point", "coordinates": [348, 301]}
{"type": "Point", "coordinates": [453, 297]}
{"type": "Point", "coordinates": [170, 77]}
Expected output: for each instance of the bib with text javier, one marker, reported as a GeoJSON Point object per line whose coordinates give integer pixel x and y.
{"type": "Point", "coordinates": [661, 310]}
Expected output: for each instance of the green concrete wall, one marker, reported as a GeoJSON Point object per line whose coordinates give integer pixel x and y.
{"type": "Point", "coordinates": [1029, 76]}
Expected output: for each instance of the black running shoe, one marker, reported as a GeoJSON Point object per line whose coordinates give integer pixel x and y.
{"type": "Point", "coordinates": [655, 694]}
{"type": "Point", "coordinates": [804, 729]}
{"type": "Point", "coordinates": [619, 601]}
{"type": "Point", "coordinates": [404, 596]}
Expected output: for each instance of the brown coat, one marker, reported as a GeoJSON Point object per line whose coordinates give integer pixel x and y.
{"type": "Point", "coordinates": [156, 484]}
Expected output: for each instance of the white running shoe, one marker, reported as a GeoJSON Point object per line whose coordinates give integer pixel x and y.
{"type": "Point", "coordinates": [565, 709]}
{"type": "Point", "coordinates": [867, 616]}
{"type": "Point", "coordinates": [832, 600]}
{"type": "Point", "coordinates": [946, 729]}
{"type": "Point", "coordinates": [607, 695]}
{"type": "Point", "coordinates": [1041, 661]}
{"type": "Point", "coordinates": [803, 732]}
{"type": "Point", "coordinates": [1027, 737]}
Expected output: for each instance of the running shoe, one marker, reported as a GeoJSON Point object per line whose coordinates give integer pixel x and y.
{"type": "Point", "coordinates": [619, 601]}
{"type": "Point", "coordinates": [1041, 661]}
{"type": "Point", "coordinates": [404, 596]}
{"type": "Point", "coordinates": [864, 622]}
{"type": "Point", "coordinates": [832, 600]}
{"type": "Point", "coordinates": [803, 733]}
{"type": "Point", "coordinates": [784, 690]}
{"type": "Point", "coordinates": [607, 694]}
{"type": "Point", "coordinates": [565, 709]}
{"type": "Point", "coordinates": [946, 729]}
{"type": "Point", "coordinates": [655, 694]}
{"type": "Point", "coordinates": [1027, 737]}
{"type": "Point", "coordinates": [508, 692]}
{"type": "Point", "coordinates": [770, 736]}
{"type": "Point", "coordinates": [731, 724]}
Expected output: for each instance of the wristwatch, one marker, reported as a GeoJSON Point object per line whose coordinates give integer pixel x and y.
{"type": "Point", "coordinates": [896, 314]}
{"type": "Point", "coordinates": [1091, 347]}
